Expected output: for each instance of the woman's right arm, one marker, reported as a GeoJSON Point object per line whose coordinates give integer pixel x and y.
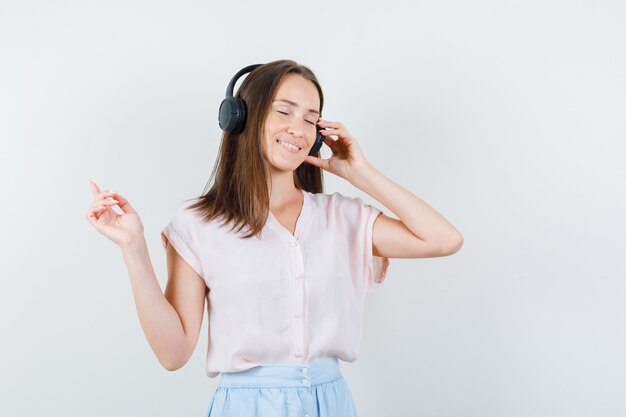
{"type": "Point", "coordinates": [170, 321]}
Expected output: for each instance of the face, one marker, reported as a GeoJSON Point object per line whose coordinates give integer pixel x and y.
{"type": "Point", "coordinates": [290, 125]}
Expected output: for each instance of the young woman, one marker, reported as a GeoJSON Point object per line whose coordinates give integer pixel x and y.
{"type": "Point", "coordinates": [284, 268]}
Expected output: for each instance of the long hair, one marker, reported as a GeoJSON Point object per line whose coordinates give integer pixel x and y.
{"type": "Point", "coordinates": [237, 188]}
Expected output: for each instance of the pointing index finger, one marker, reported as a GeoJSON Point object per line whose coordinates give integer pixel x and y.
{"type": "Point", "coordinates": [94, 188]}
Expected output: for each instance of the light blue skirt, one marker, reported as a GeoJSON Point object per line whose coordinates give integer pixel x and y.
{"type": "Point", "coordinates": [317, 389]}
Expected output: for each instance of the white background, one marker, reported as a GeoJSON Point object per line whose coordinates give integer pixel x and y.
{"type": "Point", "coordinates": [505, 116]}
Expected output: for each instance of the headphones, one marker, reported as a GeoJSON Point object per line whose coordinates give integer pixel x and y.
{"type": "Point", "coordinates": [233, 112]}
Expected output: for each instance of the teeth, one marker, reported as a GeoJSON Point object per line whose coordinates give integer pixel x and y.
{"type": "Point", "coordinates": [289, 145]}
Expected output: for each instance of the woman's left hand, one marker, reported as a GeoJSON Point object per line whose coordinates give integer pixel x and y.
{"type": "Point", "coordinates": [347, 158]}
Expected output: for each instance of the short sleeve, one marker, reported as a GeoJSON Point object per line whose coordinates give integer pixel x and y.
{"type": "Point", "coordinates": [182, 233]}
{"type": "Point", "coordinates": [376, 266]}
{"type": "Point", "coordinates": [358, 221]}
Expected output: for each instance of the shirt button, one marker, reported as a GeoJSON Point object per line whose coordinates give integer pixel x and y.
{"type": "Point", "coordinates": [305, 371]}
{"type": "Point", "coordinates": [297, 314]}
{"type": "Point", "coordinates": [294, 244]}
{"type": "Point", "coordinates": [306, 382]}
{"type": "Point", "coordinates": [299, 276]}
{"type": "Point", "coordinates": [306, 415]}
{"type": "Point", "coordinates": [298, 354]}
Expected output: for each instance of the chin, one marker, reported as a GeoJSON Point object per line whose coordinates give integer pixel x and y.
{"type": "Point", "coordinates": [290, 168]}
{"type": "Point", "coordinates": [283, 166]}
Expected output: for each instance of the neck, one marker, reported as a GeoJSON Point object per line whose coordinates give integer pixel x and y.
{"type": "Point", "coordinates": [282, 188]}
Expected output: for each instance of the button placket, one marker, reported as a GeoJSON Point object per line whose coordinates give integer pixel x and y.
{"type": "Point", "coordinates": [298, 297]}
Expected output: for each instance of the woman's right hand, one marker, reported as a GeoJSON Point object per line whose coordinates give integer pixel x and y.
{"type": "Point", "coordinates": [123, 229]}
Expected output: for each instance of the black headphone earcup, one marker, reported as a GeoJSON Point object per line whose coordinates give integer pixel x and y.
{"type": "Point", "coordinates": [232, 115]}
{"type": "Point", "coordinates": [319, 141]}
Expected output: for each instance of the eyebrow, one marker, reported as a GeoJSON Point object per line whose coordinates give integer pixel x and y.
{"type": "Point", "coordinates": [296, 104]}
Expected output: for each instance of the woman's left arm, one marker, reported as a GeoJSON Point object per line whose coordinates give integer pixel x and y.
{"type": "Point", "coordinates": [420, 232]}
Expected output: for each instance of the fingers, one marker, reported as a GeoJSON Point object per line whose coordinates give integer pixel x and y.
{"type": "Point", "coordinates": [105, 202]}
{"type": "Point", "coordinates": [315, 161]}
{"type": "Point", "coordinates": [91, 216]}
{"type": "Point", "coordinates": [99, 206]}
{"type": "Point", "coordinates": [96, 190]}
{"type": "Point", "coordinates": [123, 203]}
{"type": "Point", "coordinates": [95, 211]}
{"type": "Point", "coordinates": [337, 129]}
{"type": "Point", "coordinates": [326, 123]}
{"type": "Point", "coordinates": [335, 133]}
{"type": "Point", "coordinates": [97, 194]}
{"type": "Point", "coordinates": [106, 197]}
{"type": "Point", "coordinates": [331, 133]}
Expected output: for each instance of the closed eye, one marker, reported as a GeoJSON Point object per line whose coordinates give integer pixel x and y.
{"type": "Point", "coordinates": [285, 113]}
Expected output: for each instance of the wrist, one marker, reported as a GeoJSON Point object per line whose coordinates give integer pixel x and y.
{"type": "Point", "coordinates": [134, 244]}
{"type": "Point", "coordinates": [363, 176]}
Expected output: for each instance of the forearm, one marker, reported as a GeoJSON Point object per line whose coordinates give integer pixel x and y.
{"type": "Point", "coordinates": [424, 221]}
{"type": "Point", "coordinates": [159, 320]}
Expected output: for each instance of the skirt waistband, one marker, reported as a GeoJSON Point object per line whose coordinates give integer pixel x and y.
{"type": "Point", "coordinates": [276, 376]}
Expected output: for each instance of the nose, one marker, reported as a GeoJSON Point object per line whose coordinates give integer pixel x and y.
{"type": "Point", "coordinates": [296, 128]}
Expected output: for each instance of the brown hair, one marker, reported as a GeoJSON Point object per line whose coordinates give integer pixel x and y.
{"type": "Point", "coordinates": [239, 191]}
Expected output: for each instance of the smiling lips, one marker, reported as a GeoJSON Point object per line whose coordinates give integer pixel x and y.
{"type": "Point", "coordinates": [288, 146]}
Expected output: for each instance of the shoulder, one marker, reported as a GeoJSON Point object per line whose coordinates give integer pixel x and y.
{"type": "Point", "coordinates": [342, 206]}
{"type": "Point", "coordinates": [336, 199]}
{"type": "Point", "coordinates": [184, 213]}
{"type": "Point", "coordinates": [214, 229]}
{"type": "Point", "coordinates": [192, 219]}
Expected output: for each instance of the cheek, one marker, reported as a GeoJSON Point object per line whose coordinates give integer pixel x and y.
{"type": "Point", "coordinates": [272, 127]}
{"type": "Point", "coordinates": [266, 141]}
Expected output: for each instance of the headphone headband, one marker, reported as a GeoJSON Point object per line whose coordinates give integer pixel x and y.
{"type": "Point", "coordinates": [233, 111]}
{"type": "Point", "coordinates": [233, 81]}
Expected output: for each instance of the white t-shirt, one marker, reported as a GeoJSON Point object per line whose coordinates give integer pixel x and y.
{"type": "Point", "coordinates": [280, 298]}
